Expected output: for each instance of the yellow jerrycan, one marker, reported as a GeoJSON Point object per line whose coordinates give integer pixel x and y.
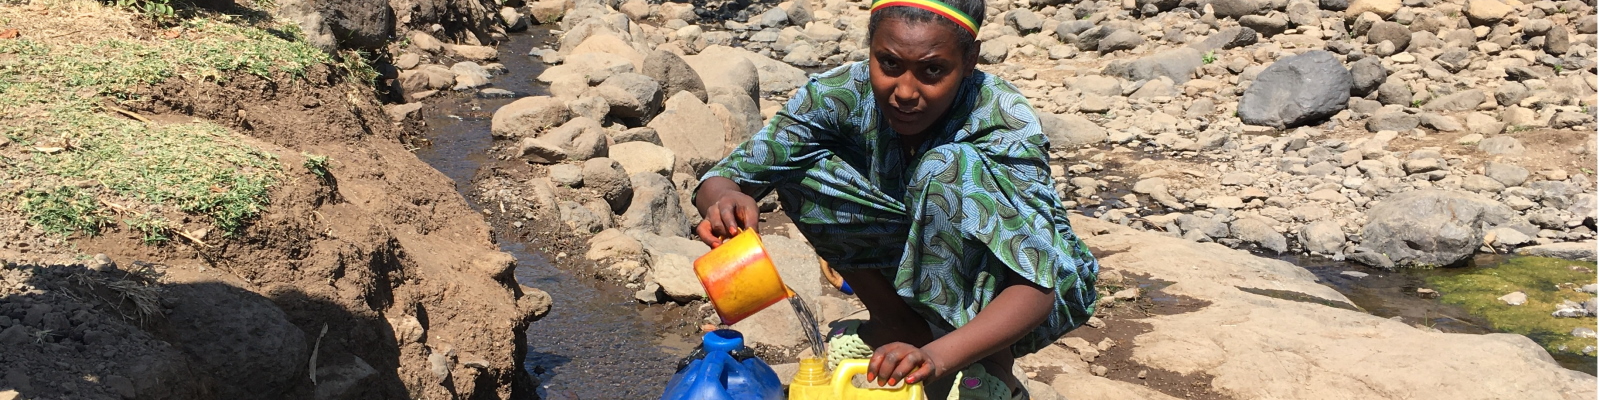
{"type": "Point", "coordinates": [813, 382]}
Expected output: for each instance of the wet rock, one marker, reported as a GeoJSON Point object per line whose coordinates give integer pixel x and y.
{"type": "Point", "coordinates": [644, 157]}
{"type": "Point", "coordinates": [1431, 227]}
{"type": "Point", "coordinates": [1366, 74]}
{"type": "Point", "coordinates": [1067, 131]}
{"type": "Point", "coordinates": [1583, 251]}
{"type": "Point", "coordinates": [526, 116]}
{"type": "Point", "coordinates": [1297, 90]}
{"type": "Point", "coordinates": [655, 207]}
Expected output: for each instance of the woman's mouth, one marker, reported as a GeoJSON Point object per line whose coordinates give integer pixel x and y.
{"type": "Point", "coordinates": [904, 116]}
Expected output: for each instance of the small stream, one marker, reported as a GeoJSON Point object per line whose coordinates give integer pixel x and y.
{"type": "Point", "coordinates": [596, 342]}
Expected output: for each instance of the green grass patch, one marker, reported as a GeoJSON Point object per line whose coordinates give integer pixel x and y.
{"type": "Point", "coordinates": [55, 101]}
{"type": "Point", "coordinates": [1546, 281]}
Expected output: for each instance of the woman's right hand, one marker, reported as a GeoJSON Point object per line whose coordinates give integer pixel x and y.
{"type": "Point", "coordinates": [726, 210]}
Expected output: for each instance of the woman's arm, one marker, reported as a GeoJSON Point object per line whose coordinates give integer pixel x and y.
{"type": "Point", "coordinates": [1018, 309]}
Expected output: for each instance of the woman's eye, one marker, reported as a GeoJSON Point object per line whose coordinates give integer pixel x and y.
{"type": "Point", "coordinates": [890, 64]}
{"type": "Point", "coordinates": [935, 71]}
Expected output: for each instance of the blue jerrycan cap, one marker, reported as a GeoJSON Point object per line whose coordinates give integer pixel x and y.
{"type": "Point", "coordinates": [722, 341]}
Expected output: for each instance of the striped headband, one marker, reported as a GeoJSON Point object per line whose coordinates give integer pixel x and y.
{"type": "Point", "coordinates": [937, 7]}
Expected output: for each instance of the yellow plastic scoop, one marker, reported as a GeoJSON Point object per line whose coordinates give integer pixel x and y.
{"type": "Point", "coordinates": [739, 277]}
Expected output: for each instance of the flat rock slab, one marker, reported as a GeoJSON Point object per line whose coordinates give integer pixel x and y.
{"type": "Point", "coordinates": [1259, 347]}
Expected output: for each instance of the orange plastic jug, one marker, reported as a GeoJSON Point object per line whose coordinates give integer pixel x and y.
{"type": "Point", "coordinates": [739, 277]}
{"type": "Point", "coordinates": [812, 382]}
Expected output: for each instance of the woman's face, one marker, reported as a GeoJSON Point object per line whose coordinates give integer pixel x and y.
{"type": "Point", "coordinates": [916, 69]}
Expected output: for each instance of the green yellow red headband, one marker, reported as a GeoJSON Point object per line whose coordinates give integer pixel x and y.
{"type": "Point", "coordinates": [937, 7]}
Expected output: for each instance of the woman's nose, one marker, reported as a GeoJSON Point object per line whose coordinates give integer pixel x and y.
{"type": "Point", "coordinates": [905, 91]}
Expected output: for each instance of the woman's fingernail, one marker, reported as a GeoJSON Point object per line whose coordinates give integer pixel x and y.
{"type": "Point", "coordinates": [870, 377]}
{"type": "Point", "coordinates": [891, 382]}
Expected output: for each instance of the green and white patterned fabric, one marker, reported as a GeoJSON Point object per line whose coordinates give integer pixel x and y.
{"type": "Point", "coordinates": [943, 224]}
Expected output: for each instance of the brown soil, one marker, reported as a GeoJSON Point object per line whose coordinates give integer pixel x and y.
{"type": "Point", "coordinates": [384, 266]}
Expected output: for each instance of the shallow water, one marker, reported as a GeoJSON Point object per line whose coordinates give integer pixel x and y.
{"type": "Point", "coordinates": [596, 342]}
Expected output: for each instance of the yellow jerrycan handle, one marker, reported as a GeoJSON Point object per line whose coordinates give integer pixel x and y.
{"type": "Point", "coordinates": [843, 389]}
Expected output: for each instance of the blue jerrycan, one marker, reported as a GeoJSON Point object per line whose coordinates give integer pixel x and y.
{"type": "Point", "coordinates": [723, 369]}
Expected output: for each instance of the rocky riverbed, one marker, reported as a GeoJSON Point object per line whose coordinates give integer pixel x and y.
{"type": "Point", "coordinates": [1396, 134]}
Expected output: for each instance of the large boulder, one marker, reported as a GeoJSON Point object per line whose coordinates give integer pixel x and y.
{"type": "Point", "coordinates": [776, 76]}
{"type": "Point", "coordinates": [527, 116]}
{"type": "Point", "coordinates": [673, 74]}
{"type": "Point", "coordinates": [1431, 227]}
{"type": "Point", "coordinates": [1366, 75]}
{"type": "Point", "coordinates": [692, 131]}
{"type": "Point", "coordinates": [333, 25]}
{"type": "Point", "coordinates": [240, 337]}
{"type": "Point", "coordinates": [631, 95]}
{"type": "Point", "coordinates": [672, 264]}
{"type": "Point", "coordinates": [738, 73]}
{"type": "Point", "coordinates": [1296, 91]}
{"type": "Point", "coordinates": [611, 180]}
{"type": "Point", "coordinates": [644, 157]}
{"type": "Point", "coordinates": [654, 207]}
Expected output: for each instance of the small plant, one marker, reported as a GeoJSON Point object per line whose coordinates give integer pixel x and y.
{"type": "Point", "coordinates": [42, 335]}
{"type": "Point", "coordinates": [1209, 57]}
{"type": "Point", "coordinates": [1416, 103]}
{"type": "Point", "coordinates": [1586, 171]}
{"type": "Point", "coordinates": [1558, 69]}
{"type": "Point", "coordinates": [318, 165]}
{"type": "Point", "coordinates": [63, 211]}
{"type": "Point", "coordinates": [153, 228]}
{"type": "Point", "coordinates": [354, 63]}
{"type": "Point", "coordinates": [159, 10]}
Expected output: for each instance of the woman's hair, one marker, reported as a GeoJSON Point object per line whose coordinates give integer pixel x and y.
{"type": "Point", "coordinates": [966, 40]}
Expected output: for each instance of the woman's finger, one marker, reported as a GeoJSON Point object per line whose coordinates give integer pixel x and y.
{"type": "Point", "coordinates": [912, 361]}
{"type": "Point", "coordinates": [749, 215]}
{"type": "Point", "coordinates": [703, 229]}
{"type": "Point", "coordinates": [730, 219]}
{"type": "Point", "coordinates": [890, 361]}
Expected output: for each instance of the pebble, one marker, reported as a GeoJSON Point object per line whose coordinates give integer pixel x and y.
{"type": "Point", "coordinates": [1354, 274]}
{"type": "Point", "coordinates": [1403, 58]}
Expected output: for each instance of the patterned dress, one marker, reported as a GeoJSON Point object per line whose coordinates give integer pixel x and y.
{"type": "Point", "coordinates": [944, 224]}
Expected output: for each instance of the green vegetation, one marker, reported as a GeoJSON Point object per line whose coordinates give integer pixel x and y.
{"type": "Point", "coordinates": [318, 165]}
{"type": "Point", "coordinates": [1546, 281]}
{"type": "Point", "coordinates": [1209, 57]}
{"type": "Point", "coordinates": [158, 10]}
{"type": "Point", "coordinates": [84, 161]}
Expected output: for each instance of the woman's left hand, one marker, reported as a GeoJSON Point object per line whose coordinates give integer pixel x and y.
{"type": "Point", "coordinates": [901, 362]}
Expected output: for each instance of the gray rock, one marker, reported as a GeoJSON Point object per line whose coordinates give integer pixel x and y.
{"type": "Point", "coordinates": [1323, 237]}
{"type": "Point", "coordinates": [1268, 26]}
{"type": "Point", "coordinates": [994, 51]}
{"type": "Point", "coordinates": [1333, 5]}
{"type": "Point", "coordinates": [631, 95]}
{"type": "Point", "coordinates": [776, 76]}
{"type": "Point", "coordinates": [1236, 8]}
{"type": "Point", "coordinates": [775, 17]}
{"type": "Point", "coordinates": [1089, 40]}
{"type": "Point", "coordinates": [1442, 123]}
{"type": "Point", "coordinates": [613, 244]}
{"type": "Point", "coordinates": [568, 175]}
{"type": "Point", "coordinates": [640, 134]}
{"type": "Point", "coordinates": [541, 151]}
{"type": "Point", "coordinates": [1159, 87]}
{"type": "Point", "coordinates": [1454, 60]}
{"type": "Point", "coordinates": [1392, 121]}
{"type": "Point", "coordinates": [1501, 145]}
{"type": "Point", "coordinates": [1297, 90]}
{"type": "Point", "coordinates": [1394, 93]}
{"type": "Point", "coordinates": [674, 74]}
{"type": "Point", "coordinates": [1120, 40]}
{"type": "Point", "coordinates": [1583, 251]}
{"type": "Point", "coordinates": [1366, 74]}
{"type": "Point", "coordinates": [1393, 32]}
{"type": "Point", "coordinates": [1570, 309]}
{"type": "Point", "coordinates": [1072, 28]}
{"type": "Point", "coordinates": [355, 24]}
{"type": "Point", "coordinates": [241, 338]}
{"type": "Point", "coordinates": [611, 180]}
{"type": "Point", "coordinates": [1258, 232]}
{"type": "Point", "coordinates": [1228, 38]}
{"type": "Point", "coordinates": [1569, 119]}
{"type": "Point", "coordinates": [644, 157]}
{"type": "Point", "coordinates": [580, 218]}
{"type": "Point", "coordinates": [1482, 184]}
{"type": "Point", "coordinates": [1507, 174]}
{"type": "Point", "coordinates": [1206, 226]}
{"type": "Point", "coordinates": [737, 73]}
{"type": "Point", "coordinates": [1431, 227]}
{"type": "Point", "coordinates": [800, 13]}
{"type": "Point", "coordinates": [1156, 188]}
{"type": "Point", "coordinates": [672, 264]}
{"type": "Point", "coordinates": [1024, 21]}
{"type": "Point", "coordinates": [1066, 131]}
{"type": "Point", "coordinates": [1465, 100]}
{"type": "Point", "coordinates": [1177, 64]}
{"type": "Point", "coordinates": [1556, 42]}
{"type": "Point", "coordinates": [469, 75]}
{"type": "Point", "coordinates": [744, 114]}
{"type": "Point", "coordinates": [683, 127]}
{"type": "Point", "coordinates": [654, 207]}
{"type": "Point", "coordinates": [1100, 85]}
{"type": "Point", "coordinates": [526, 116]}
